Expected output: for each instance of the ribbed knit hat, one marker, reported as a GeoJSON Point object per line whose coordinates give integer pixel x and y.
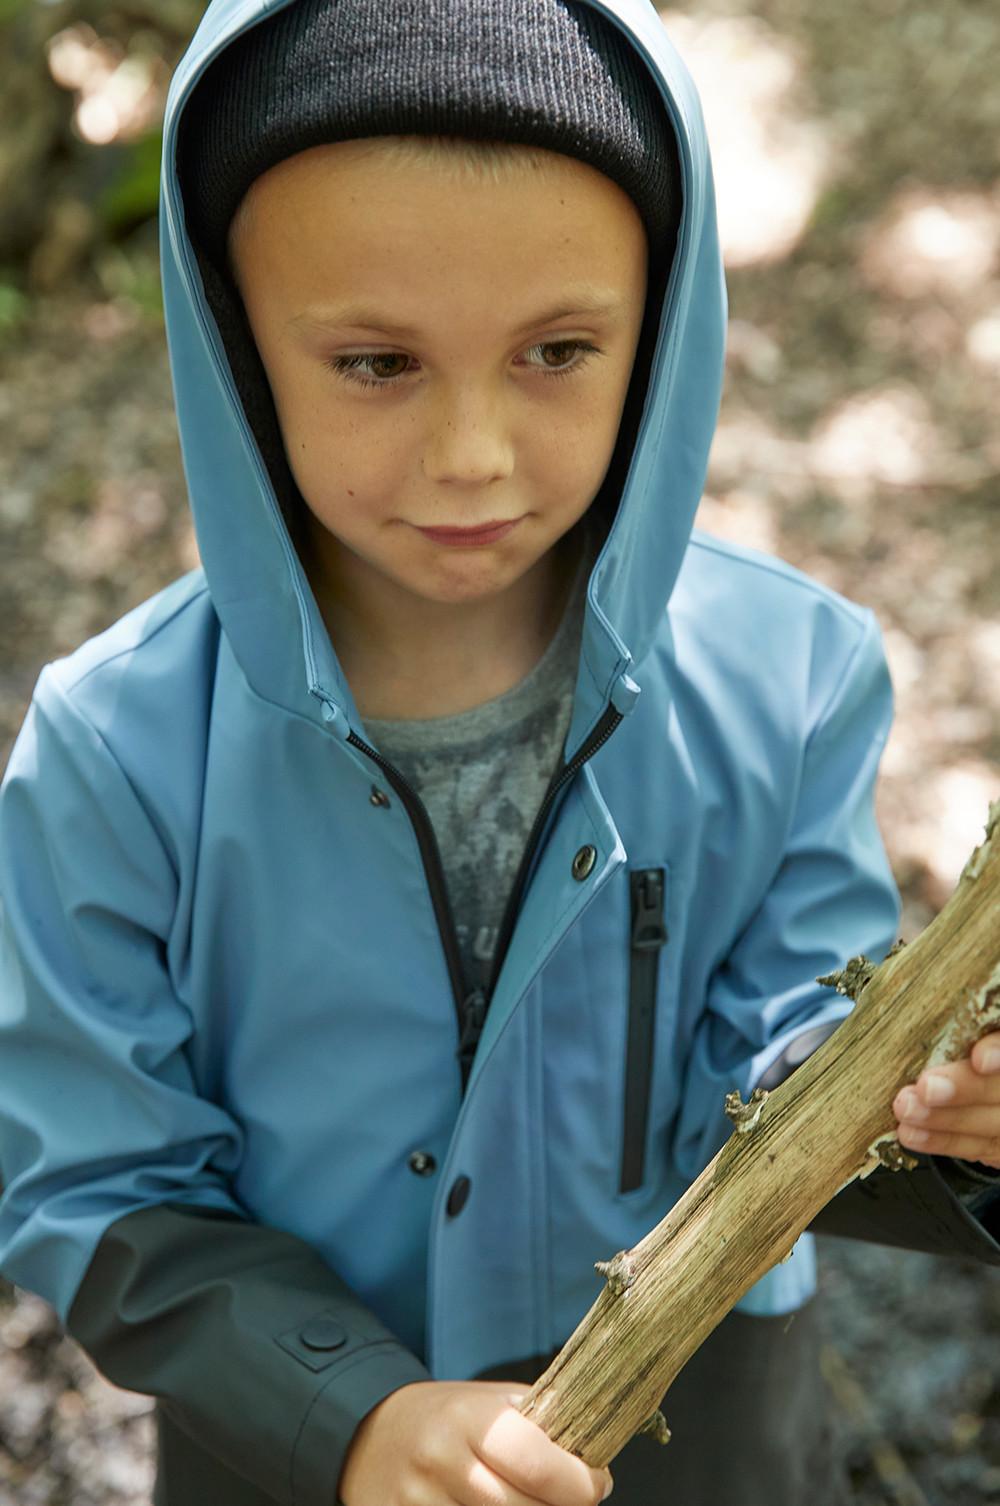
{"type": "Point", "coordinates": [547, 73]}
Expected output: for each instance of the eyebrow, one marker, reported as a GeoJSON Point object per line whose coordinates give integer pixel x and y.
{"type": "Point", "coordinates": [593, 304]}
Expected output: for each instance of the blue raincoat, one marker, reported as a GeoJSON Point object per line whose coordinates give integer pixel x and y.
{"type": "Point", "coordinates": [226, 974]}
{"type": "Point", "coordinates": [223, 972]}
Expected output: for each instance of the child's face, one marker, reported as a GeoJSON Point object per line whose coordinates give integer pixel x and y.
{"type": "Point", "coordinates": [446, 350]}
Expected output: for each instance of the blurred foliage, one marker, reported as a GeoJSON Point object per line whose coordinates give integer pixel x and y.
{"type": "Point", "coordinates": [84, 83]}
{"type": "Point", "coordinates": [126, 274]}
{"type": "Point", "coordinates": [134, 194]}
{"type": "Point", "coordinates": [13, 309]}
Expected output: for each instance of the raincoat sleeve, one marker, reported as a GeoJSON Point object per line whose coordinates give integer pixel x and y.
{"type": "Point", "coordinates": [831, 898]}
{"type": "Point", "coordinates": [117, 1203]}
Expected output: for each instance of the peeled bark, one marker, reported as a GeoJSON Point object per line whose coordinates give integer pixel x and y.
{"type": "Point", "coordinates": [792, 1151]}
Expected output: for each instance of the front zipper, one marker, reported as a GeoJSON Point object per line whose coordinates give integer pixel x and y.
{"type": "Point", "coordinates": [431, 855]}
{"type": "Point", "coordinates": [609, 721]}
{"type": "Point", "coordinates": [647, 891]}
{"type": "Point", "coordinates": [471, 1009]}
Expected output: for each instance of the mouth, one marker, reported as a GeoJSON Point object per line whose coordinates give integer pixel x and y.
{"type": "Point", "coordinates": [483, 533]}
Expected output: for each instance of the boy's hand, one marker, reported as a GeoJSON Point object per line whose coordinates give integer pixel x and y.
{"type": "Point", "coordinates": [955, 1110]}
{"type": "Point", "coordinates": [462, 1443]}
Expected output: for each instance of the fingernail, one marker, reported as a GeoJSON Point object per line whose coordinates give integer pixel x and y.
{"type": "Point", "coordinates": [938, 1089]}
{"type": "Point", "coordinates": [989, 1061]}
{"type": "Point", "coordinates": [910, 1107]}
{"type": "Point", "coordinates": [915, 1136]}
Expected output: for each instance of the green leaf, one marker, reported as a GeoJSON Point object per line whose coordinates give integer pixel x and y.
{"type": "Point", "coordinates": [135, 192]}
{"type": "Point", "coordinates": [14, 307]}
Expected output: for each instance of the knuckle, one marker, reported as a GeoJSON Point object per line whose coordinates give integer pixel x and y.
{"type": "Point", "coordinates": [428, 1452]}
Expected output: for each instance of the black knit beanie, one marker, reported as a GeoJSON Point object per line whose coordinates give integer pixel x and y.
{"type": "Point", "coordinates": [547, 73]}
{"type": "Point", "coordinates": [540, 72]}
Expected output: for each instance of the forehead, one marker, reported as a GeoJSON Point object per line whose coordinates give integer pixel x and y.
{"type": "Point", "coordinates": [433, 225]}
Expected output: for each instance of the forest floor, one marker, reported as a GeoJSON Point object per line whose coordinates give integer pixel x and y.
{"type": "Point", "coordinates": [857, 440]}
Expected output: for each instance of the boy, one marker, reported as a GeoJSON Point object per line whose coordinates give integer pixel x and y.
{"type": "Point", "coordinates": [390, 905]}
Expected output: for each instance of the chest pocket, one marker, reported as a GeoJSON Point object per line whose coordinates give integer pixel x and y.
{"type": "Point", "coordinates": [648, 936]}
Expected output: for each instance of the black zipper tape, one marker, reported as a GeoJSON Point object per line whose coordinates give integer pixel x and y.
{"type": "Point", "coordinates": [471, 1009]}
{"type": "Point", "coordinates": [600, 735]}
{"type": "Point", "coordinates": [433, 870]}
{"type": "Point", "coordinates": [647, 890]}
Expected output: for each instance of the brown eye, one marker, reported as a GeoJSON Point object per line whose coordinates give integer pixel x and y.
{"type": "Point", "coordinates": [559, 354]}
{"type": "Point", "coordinates": [387, 366]}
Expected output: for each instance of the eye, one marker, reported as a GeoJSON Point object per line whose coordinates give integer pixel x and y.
{"type": "Point", "coordinates": [373, 369]}
{"type": "Point", "coordinates": [560, 357]}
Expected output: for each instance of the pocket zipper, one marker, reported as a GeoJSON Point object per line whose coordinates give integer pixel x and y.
{"type": "Point", "coordinates": [647, 889]}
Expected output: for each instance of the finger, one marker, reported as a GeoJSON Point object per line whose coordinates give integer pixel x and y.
{"type": "Point", "coordinates": [962, 1147]}
{"type": "Point", "coordinates": [982, 1121]}
{"type": "Point", "coordinates": [486, 1486]}
{"type": "Point", "coordinates": [956, 1084]}
{"type": "Point", "coordinates": [986, 1054]}
{"type": "Point", "coordinates": [526, 1458]}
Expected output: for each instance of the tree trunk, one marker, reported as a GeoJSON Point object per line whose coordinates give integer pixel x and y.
{"type": "Point", "coordinates": [792, 1151]}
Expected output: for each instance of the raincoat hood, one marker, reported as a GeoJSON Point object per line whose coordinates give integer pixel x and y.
{"type": "Point", "coordinates": [258, 586]}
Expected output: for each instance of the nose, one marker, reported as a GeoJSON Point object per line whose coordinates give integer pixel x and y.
{"type": "Point", "coordinates": [468, 442]}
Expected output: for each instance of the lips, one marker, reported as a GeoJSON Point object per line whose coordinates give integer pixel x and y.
{"type": "Point", "coordinates": [483, 533]}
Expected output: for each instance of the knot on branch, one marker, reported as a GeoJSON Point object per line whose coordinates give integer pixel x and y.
{"type": "Point", "coordinates": [619, 1273]}
{"type": "Point", "coordinates": [745, 1115]}
{"type": "Point", "coordinates": [892, 1156]}
{"type": "Point", "coordinates": [852, 980]}
{"type": "Point", "coordinates": [977, 861]}
{"type": "Point", "coordinates": [656, 1427]}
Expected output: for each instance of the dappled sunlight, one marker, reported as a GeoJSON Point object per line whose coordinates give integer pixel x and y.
{"type": "Point", "coordinates": [119, 95]}
{"type": "Point", "coordinates": [984, 652]}
{"type": "Point", "coordinates": [942, 829]}
{"type": "Point", "coordinates": [934, 242]}
{"type": "Point", "coordinates": [982, 343]}
{"type": "Point", "coordinates": [887, 436]}
{"type": "Point", "coordinates": [770, 159]}
{"type": "Point", "coordinates": [744, 517]}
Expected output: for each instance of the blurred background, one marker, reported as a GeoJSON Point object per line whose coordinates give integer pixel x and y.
{"type": "Point", "coordinates": [857, 153]}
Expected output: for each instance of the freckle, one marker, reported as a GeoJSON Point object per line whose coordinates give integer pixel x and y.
{"type": "Point", "coordinates": [349, 492]}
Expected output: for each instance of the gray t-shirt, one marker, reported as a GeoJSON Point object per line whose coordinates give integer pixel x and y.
{"type": "Point", "coordinates": [482, 776]}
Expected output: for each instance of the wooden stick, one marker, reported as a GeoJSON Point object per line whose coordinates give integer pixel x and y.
{"type": "Point", "coordinates": [792, 1151]}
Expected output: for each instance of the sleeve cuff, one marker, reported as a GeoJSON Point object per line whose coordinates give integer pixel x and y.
{"type": "Point", "coordinates": [337, 1410]}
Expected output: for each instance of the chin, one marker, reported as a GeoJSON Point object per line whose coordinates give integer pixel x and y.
{"type": "Point", "coordinates": [463, 581]}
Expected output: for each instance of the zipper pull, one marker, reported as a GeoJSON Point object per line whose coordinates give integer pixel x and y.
{"type": "Point", "coordinates": [648, 928]}
{"type": "Point", "coordinates": [473, 1015]}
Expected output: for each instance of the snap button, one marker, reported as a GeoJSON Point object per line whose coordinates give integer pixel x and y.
{"type": "Point", "coordinates": [583, 863]}
{"type": "Point", "coordinates": [379, 797]}
{"type": "Point", "coordinates": [422, 1163]}
{"type": "Point", "coordinates": [322, 1333]}
{"type": "Point", "coordinates": [458, 1196]}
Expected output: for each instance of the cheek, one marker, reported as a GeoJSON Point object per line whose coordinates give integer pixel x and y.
{"type": "Point", "coordinates": [576, 442]}
{"type": "Point", "coordinates": [342, 460]}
